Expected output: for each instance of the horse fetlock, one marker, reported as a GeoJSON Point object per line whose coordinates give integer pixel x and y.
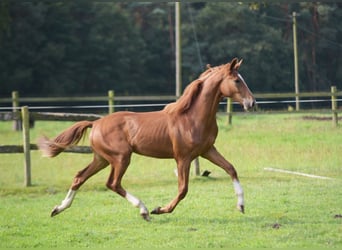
{"type": "Point", "coordinates": [240, 203]}
{"type": "Point", "coordinates": [145, 216]}
{"type": "Point", "coordinates": [66, 203]}
{"type": "Point", "coordinates": [239, 193]}
{"type": "Point", "coordinates": [58, 209]}
{"type": "Point", "coordinates": [157, 210]}
{"type": "Point", "coordinates": [55, 211]}
{"type": "Point", "coordinates": [241, 208]}
{"type": "Point", "coordinates": [143, 210]}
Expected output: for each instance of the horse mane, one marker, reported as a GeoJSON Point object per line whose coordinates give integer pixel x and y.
{"type": "Point", "coordinates": [191, 92]}
{"type": "Point", "coordinates": [184, 103]}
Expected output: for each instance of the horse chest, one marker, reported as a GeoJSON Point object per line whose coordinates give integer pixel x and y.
{"type": "Point", "coordinates": [196, 138]}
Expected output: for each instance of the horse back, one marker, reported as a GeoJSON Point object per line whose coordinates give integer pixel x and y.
{"type": "Point", "coordinates": [145, 133]}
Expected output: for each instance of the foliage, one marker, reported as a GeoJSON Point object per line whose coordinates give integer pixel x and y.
{"type": "Point", "coordinates": [281, 210]}
{"type": "Point", "coordinates": [233, 35]}
{"type": "Point", "coordinates": [86, 47]}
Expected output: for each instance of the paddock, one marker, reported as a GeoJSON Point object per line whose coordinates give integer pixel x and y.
{"type": "Point", "coordinates": [282, 210]}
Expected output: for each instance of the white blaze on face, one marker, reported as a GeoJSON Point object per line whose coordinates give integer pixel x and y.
{"type": "Point", "coordinates": [241, 78]}
{"type": "Point", "coordinates": [248, 102]}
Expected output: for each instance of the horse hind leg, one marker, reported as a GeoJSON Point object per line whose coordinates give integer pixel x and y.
{"type": "Point", "coordinates": [114, 183]}
{"type": "Point", "coordinates": [94, 167]}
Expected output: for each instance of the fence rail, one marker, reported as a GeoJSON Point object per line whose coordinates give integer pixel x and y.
{"type": "Point", "coordinates": [14, 149]}
{"type": "Point", "coordinates": [22, 116]}
{"type": "Point", "coordinates": [111, 98]}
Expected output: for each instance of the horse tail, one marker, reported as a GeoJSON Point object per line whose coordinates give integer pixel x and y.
{"type": "Point", "coordinates": [69, 137]}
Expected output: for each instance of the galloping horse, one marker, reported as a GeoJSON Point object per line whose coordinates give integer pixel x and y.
{"type": "Point", "coordinates": [183, 130]}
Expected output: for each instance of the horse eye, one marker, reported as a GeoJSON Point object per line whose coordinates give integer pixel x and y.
{"type": "Point", "coordinates": [237, 80]}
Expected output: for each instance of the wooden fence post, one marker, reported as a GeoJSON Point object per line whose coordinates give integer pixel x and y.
{"type": "Point", "coordinates": [197, 167]}
{"type": "Point", "coordinates": [26, 144]}
{"type": "Point", "coordinates": [15, 106]}
{"type": "Point", "coordinates": [334, 105]}
{"type": "Point", "coordinates": [229, 110]}
{"type": "Point", "coordinates": [111, 101]}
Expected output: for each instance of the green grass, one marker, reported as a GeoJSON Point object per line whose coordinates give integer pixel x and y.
{"type": "Point", "coordinates": [282, 210]}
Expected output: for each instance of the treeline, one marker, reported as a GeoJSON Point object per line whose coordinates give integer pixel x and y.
{"type": "Point", "coordinates": [51, 48]}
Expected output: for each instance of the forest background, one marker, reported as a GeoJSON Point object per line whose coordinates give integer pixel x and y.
{"type": "Point", "coordinates": [74, 48]}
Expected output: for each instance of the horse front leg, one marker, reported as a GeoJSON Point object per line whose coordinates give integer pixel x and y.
{"type": "Point", "coordinates": [215, 157]}
{"type": "Point", "coordinates": [183, 169]}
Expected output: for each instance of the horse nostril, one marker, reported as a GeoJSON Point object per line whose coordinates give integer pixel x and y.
{"type": "Point", "coordinates": [249, 104]}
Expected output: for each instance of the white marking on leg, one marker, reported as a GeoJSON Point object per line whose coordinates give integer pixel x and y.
{"type": "Point", "coordinates": [239, 193]}
{"type": "Point", "coordinates": [139, 204]}
{"type": "Point", "coordinates": [66, 203]}
{"type": "Point", "coordinates": [132, 199]}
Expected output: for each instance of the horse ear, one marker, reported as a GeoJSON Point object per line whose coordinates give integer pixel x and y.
{"type": "Point", "coordinates": [233, 64]}
{"type": "Point", "coordinates": [238, 64]}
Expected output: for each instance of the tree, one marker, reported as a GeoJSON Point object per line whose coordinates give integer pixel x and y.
{"type": "Point", "coordinates": [86, 47]}
{"type": "Point", "coordinates": [262, 35]}
{"type": "Point", "coordinates": [228, 30]}
{"type": "Point", "coordinates": [58, 48]}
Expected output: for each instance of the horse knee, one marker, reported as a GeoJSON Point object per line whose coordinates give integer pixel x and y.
{"type": "Point", "coordinates": [182, 192]}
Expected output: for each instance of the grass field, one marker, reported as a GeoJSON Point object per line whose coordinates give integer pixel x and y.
{"type": "Point", "coordinates": [282, 210]}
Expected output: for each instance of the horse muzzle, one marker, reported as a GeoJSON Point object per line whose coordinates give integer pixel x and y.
{"type": "Point", "coordinates": [249, 104]}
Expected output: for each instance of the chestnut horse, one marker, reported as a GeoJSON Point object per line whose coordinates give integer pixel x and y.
{"type": "Point", "coordinates": [183, 130]}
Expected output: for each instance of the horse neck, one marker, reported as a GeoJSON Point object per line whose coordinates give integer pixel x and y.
{"type": "Point", "coordinates": [207, 103]}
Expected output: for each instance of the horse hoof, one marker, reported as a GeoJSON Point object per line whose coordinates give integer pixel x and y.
{"type": "Point", "coordinates": [241, 208]}
{"type": "Point", "coordinates": [146, 217]}
{"type": "Point", "coordinates": [156, 210]}
{"type": "Point", "coordinates": [55, 211]}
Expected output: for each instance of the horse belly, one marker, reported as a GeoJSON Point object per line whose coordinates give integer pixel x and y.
{"type": "Point", "coordinates": [154, 147]}
{"type": "Point", "coordinates": [150, 137]}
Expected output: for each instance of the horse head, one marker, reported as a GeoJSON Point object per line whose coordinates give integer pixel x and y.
{"type": "Point", "coordinates": [233, 85]}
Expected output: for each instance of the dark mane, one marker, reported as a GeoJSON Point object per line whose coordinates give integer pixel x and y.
{"type": "Point", "coordinates": [191, 92]}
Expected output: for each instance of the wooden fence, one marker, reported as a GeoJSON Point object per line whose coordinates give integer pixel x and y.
{"type": "Point", "coordinates": [15, 100]}
{"type": "Point", "coordinates": [22, 116]}
{"type": "Point", "coordinates": [27, 146]}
